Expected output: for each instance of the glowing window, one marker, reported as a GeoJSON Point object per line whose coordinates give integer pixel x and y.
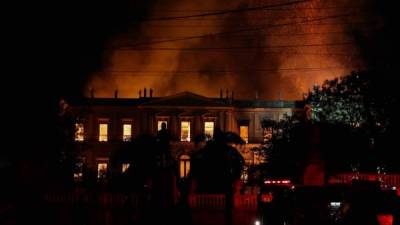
{"type": "Point", "coordinates": [101, 170]}
{"type": "Point", "coordinates": [159, 124]}
{"type": "Point", "coordinates": [185, 131]}
{"type": "Point", "coordinates": [125, 166]}
{"type": "Point", "coordinates": [184, 166]}
{"type": "Point", "coordinates": [209, 129]}
{"type": "Point", "coordinates": [267, 134]}
{"type": "Point", "coordinates": [244, 133]}
{"type": "Point", "coordinates": [79, 132]}
{"type": "Point", "coordinates": [126, 132]}
{"type": "Point", "coordinates": [103, 132]}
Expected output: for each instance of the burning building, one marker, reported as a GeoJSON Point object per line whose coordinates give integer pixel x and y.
{"type": "Point", "coordinates": [106, 124]}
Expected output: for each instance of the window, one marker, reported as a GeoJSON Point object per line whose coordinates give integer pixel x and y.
{"type": "Point", "coordinates": [125, 166]}
{"type": "Point", "coordinates": [184, 166]}
{"type": "Point", "coordinates": [185, 131]}
{"type": "Point", "coordinates": [78, 171]}
{"type": "Point", "coordinates": [159, 124]}
{"type": "Point", "coordinates": [267, 134]}
{"type": "Point", "coordinates": [101, 170]}
{"type": "Point", "coordinates": [244, 133]}
{"type": "Point", "coordinates": [79, 132]}
{"type": "Point", "coordinates": [126, 132]}
{"type": "Point", "coordinates": [209, 129]}
{"type": "Point", "coordinates": [103, 132]}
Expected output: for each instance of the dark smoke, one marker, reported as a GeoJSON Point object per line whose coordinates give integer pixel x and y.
{"type": "Point", "coordinates": [262, 63]}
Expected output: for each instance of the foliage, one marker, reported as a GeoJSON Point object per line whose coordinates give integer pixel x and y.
{"type": "Point", "coordinates": [217, 165]}
{"type": "Point", "coordinates": [353, 100]}
{"type": "Point", "coordinates": [63, 163]}
{"type": "Point", "coordinates": [284, 153]}
{"type": "Point", "coordinates": [361, 105]}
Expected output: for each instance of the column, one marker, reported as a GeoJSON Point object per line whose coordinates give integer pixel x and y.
{"type": "Point", "coordinates": [221, 120]}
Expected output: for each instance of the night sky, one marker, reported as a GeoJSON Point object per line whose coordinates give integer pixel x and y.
{"type": "Point", "coordinates": [76, 44]}
{"type": "Point", "coordinates": [60, 48]}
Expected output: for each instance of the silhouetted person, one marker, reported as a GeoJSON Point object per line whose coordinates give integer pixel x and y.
{"type": "Point", "coordinates": [164, 135]}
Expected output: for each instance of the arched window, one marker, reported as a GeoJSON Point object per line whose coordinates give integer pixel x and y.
{"type": "Point", "coordinates": [184, 166]}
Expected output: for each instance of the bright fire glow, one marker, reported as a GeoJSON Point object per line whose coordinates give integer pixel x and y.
{"type": "Point", "coordinates": [316, 46]}
{"type": "Point", "coordinates": [244, 133]}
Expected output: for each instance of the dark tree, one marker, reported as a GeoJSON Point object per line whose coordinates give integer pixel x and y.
{"type": "Point", "coordinates": [285, 151]}
{"type": "Point", "coordinates": [357, 116]}
{"type": "Point", "coordinates": [216, 166]}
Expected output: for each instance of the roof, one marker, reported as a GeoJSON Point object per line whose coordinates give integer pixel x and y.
{"type": "Point", "coordinates": [257, 103]}
{"type": "Point", "coordinates": [111, 101]}
{"type": "Point", "coordinates": [186, 99]}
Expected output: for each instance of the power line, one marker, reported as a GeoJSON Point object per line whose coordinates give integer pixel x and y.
{"type": "Point", "coordinates": [236, 47]}
{"type": "Point", "coordinates": [238, 31]}
{"type": "Point", "coordinates": [272, 34]}
{"type": "Point", "coordinates": [258, 16]}
{"type": "Point", "coordinates": [288, 53]}
{"type": "Point", "coordinates": [199, 72]}
{"type": "Point", "coordinates": [223, 12]}
{"type": "Point", "coordinates": [247, 25]}
{"type": "Point", "coordinates": [301, 8]}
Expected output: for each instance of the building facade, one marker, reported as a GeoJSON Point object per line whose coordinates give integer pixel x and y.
{"type": "Point", "coordinates": [104, 124]}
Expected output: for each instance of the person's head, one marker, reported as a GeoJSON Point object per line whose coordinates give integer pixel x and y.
{"type": "Point", "coordinates": [163, 126]}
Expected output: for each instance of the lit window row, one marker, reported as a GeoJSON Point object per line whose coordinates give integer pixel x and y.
{"type": "Point", "coordinates": [103, 132]}
{"type": "Point", "coordinates": [185, 131]}
{"type": "Point", "coordinates": [103, 163]}
{"type": "Point", "coordinates": [102, 169]}
{"type": "Point", "coordinates": [185, 134]}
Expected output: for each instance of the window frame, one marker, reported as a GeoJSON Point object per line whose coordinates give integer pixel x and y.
{"type": "Point", "coordinates": [130, 136]}
{"type": "Point", "coordinates": [189, 139]}
{"type": "Point", "coordinates": [100, 137]}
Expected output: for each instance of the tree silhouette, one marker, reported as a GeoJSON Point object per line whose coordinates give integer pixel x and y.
{"type": "Point", "coordinates": [285, 152]}
{"type": "Point", "coordinates": [217, 164]}
{"type": "Point", "coordinates": [358, 116]}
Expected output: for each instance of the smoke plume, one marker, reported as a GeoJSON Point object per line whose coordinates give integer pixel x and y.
{"type": "Point", "coordinates": [278, 52]}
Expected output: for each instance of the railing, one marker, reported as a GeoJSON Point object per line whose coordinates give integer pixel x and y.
{"type": "Point", "coordinates": [196, 201]}
{"type": "Point", "coordinates": [392, 180]}
{"type": "Point", "coordinates": [218, 201]}
{"type": "Point", "coordinates": [247, 202]}
{"type": "Point", "coordinates": [207, 201]}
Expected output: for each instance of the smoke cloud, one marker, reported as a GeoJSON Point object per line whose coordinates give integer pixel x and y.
{"type": "Point", "coordinates": [279, 52]}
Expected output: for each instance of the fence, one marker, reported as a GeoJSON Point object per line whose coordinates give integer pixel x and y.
{"type": "Point", "coordinates": [218, 201]}
{"type": "Point", "coordinates": [391, 180]}
{"type": "Point", "coordinates": [207, 201]}
{"type": "Point", "coordinates": [198, 201]}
